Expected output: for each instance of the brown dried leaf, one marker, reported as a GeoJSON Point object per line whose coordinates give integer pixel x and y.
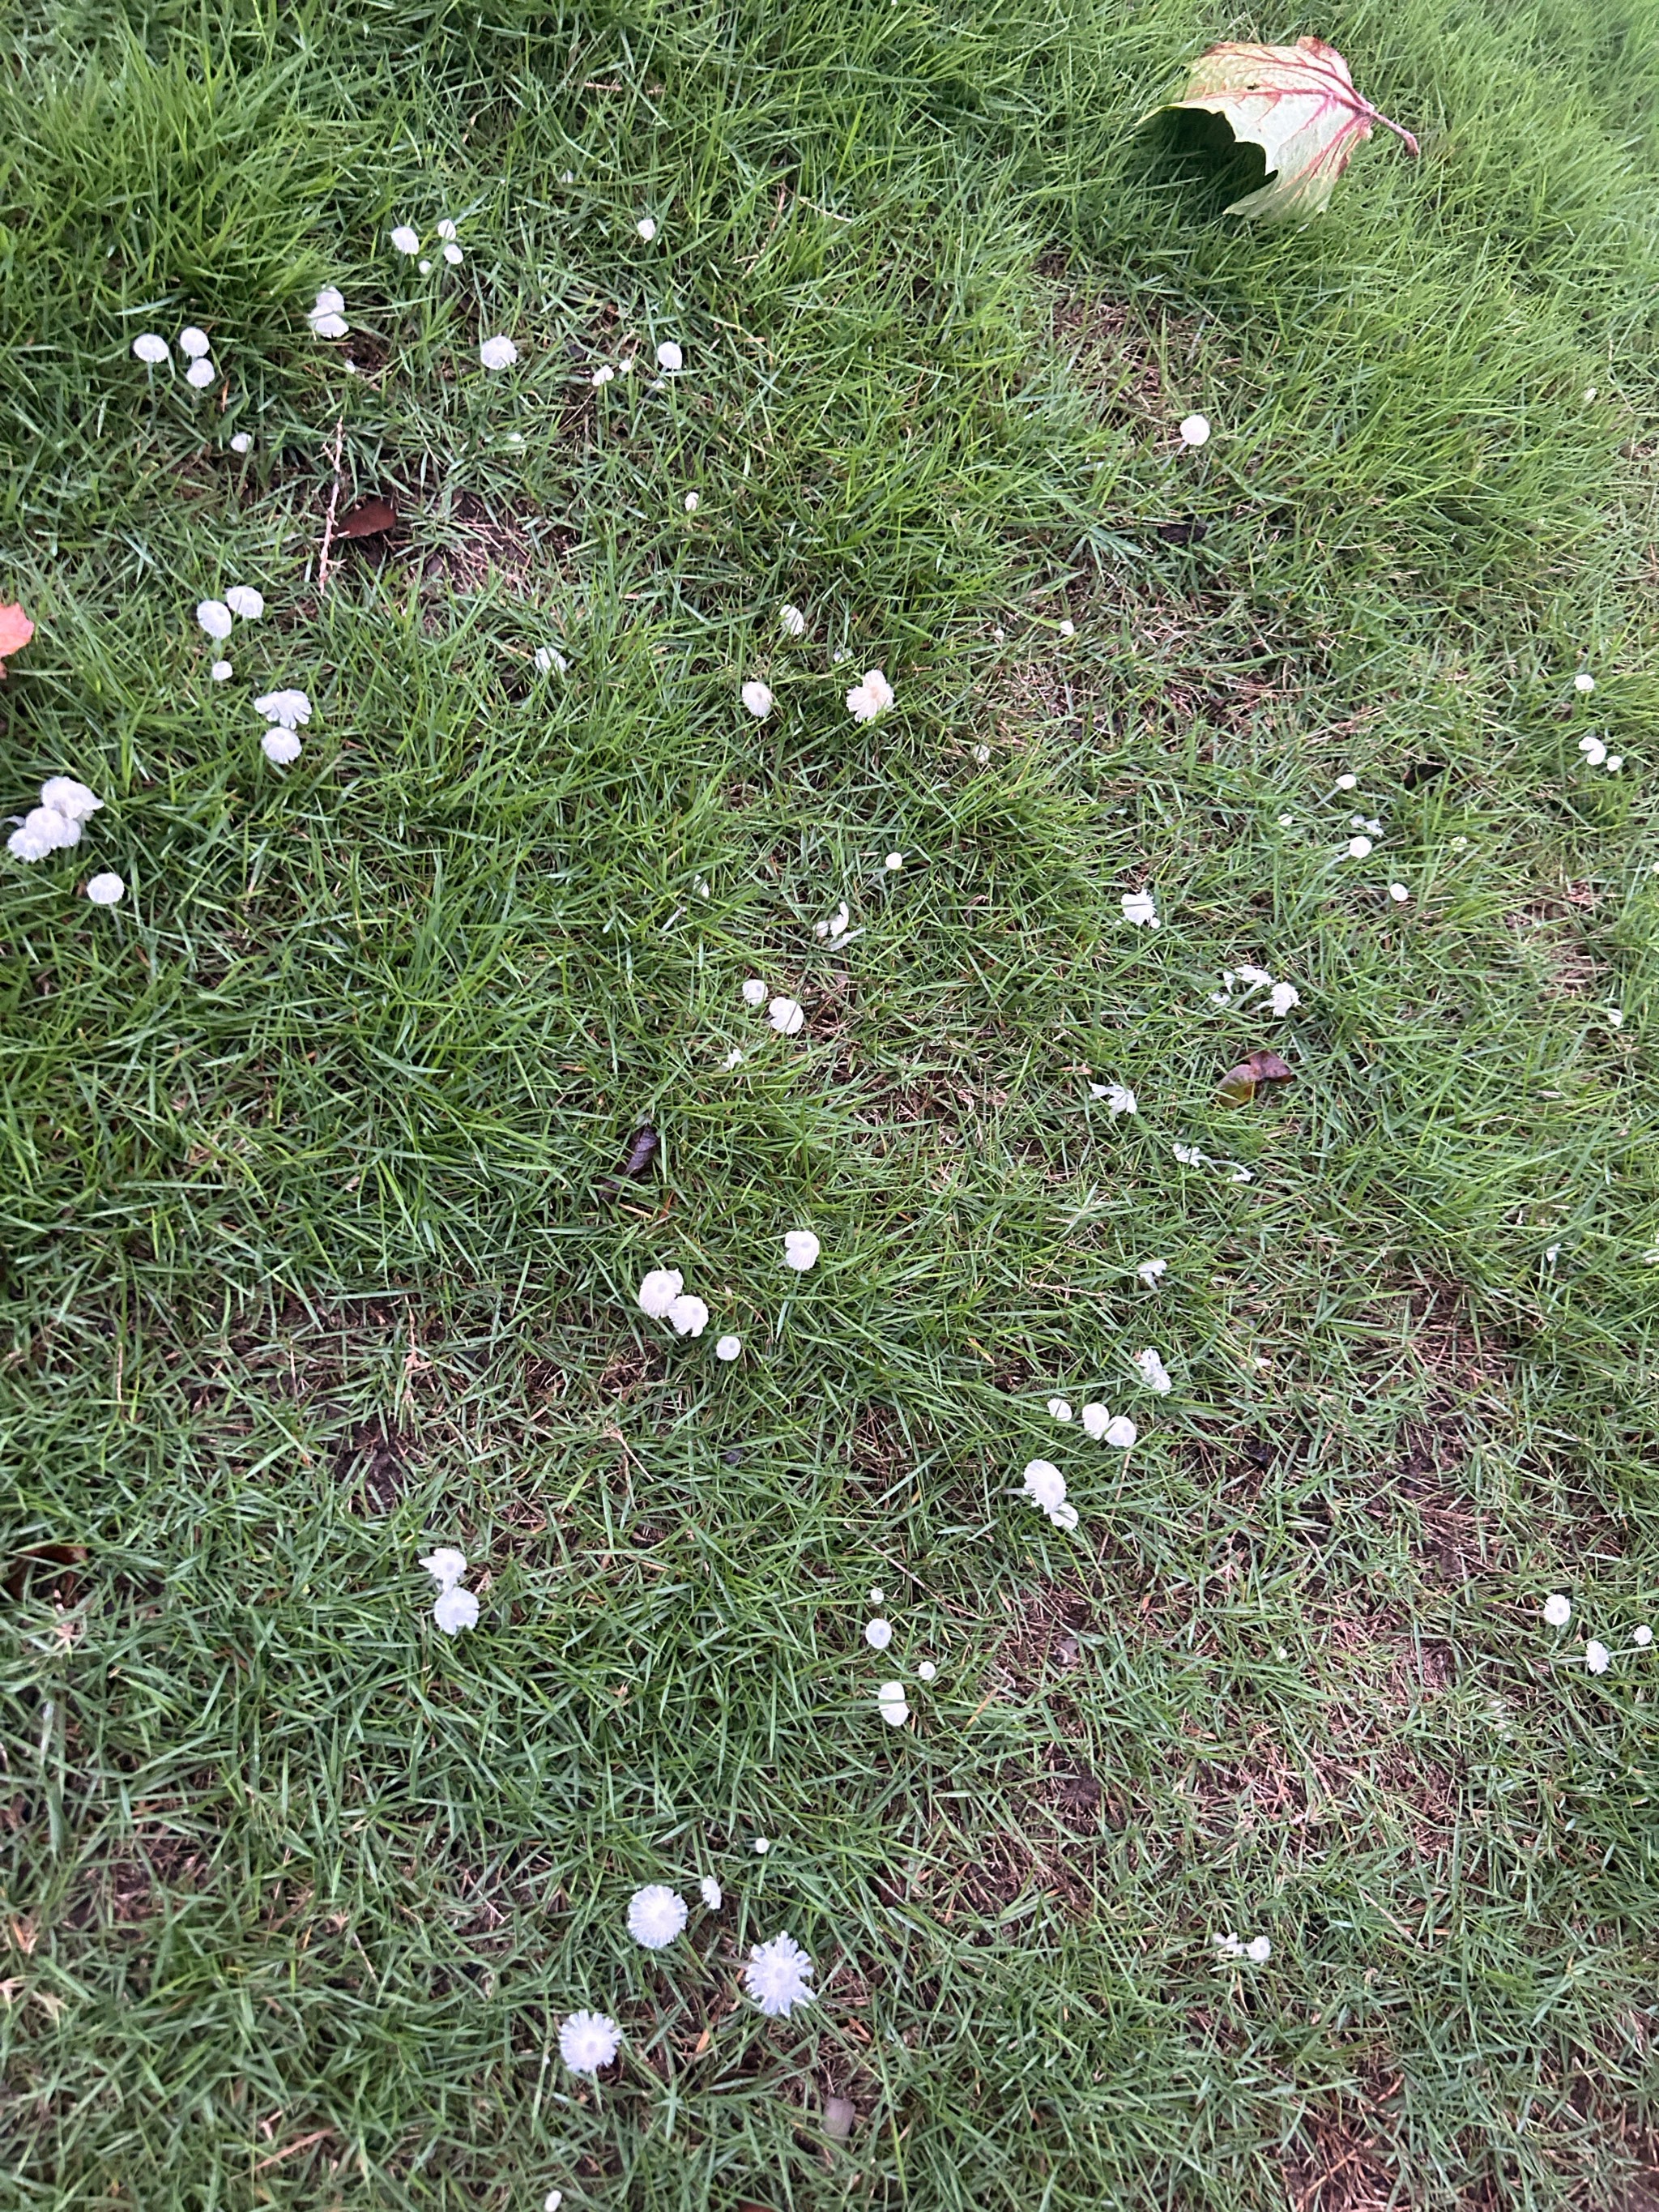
{"type": "Point", "coordinates": [367, 518]}
{"type": "Point", "coordinates": [1239, 1085]}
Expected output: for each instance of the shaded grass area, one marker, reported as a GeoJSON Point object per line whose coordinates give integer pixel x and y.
{"type": "Point", "coordinates": [307, 1257]}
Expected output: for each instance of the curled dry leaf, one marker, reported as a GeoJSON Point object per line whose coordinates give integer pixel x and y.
{"type": "Point", "coordinates": [1239, 1085]}
{"type": "Point", "coordinates": [641, 1151]}
{"type": "Point", "coordinates": [16, 631]}
{"type": "Point", "coordinates": [1299, 104]}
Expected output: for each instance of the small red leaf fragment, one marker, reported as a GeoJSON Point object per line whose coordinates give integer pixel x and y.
{"type": "Point", "coordinates": [16, 631]}
{"type": "Point", "coordinates": [1238, 1086]}
{"type": "Point", "coordinates": [367, 518]}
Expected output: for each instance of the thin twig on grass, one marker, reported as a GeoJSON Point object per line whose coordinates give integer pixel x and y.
{"type": "Point", "coordinates": [333, 506]}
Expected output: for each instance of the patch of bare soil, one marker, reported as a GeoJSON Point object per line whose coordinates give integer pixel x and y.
{"type": "Point", "coordinates": [633, 1368]}
{"type": "Point", "coordinates": [1216, 671]}
{"type": "Point", "coordinates": [1343, 2159]}
{"type": "Point", "coordinates": [374, 1464]}
{"type": "Point", "coordinates": [1127, 363]}
{"type": "Point", "coordinates": [476, 544]}
{"type": "Point", "coordinates": [1213, 685]}
{"type": "Point", "coordinates": [136, 1885]}
{"type": "Point", "coordinates": [1057, 1812]}
{"type": "Point", "coordinates": [1365, 1770]}
{"type": "Point", "coordinates": [881, 1449]}
{"type": "Point", "coordinates": [1547, 936]}
{"type": "Point", "coordinates": [1467, 1368]}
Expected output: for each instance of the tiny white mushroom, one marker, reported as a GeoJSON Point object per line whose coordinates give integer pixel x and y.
{"type": "Point", "coordinates": [455, 1609]}
{"type": "Point", "coordinates": [871, 698]}
{"type": "Point", "coordinates": [656, 1915]}
{"type": "Point", "coordinates": [587, 2041]}
{"type": "Point", "coordinates": [1153, 1372]}
{"type": "Point", "coordinates": [658, 1291]}
{"type": "Point", "coordinates": [71, 798]}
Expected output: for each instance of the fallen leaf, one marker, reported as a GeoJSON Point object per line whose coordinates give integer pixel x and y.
{"type": "Point", "coordinates": [67, 1556]}
{"type": "Point", "coordinates": [16, 631]}
{"type": "Point", "coordinates": [641, 1151]}
{"type": "Point", "coordinates": [1299, 104]}
{"type": "Point", "coordinates": [1239, 1085]}
{"type": "Point", "coordinates": [367, 518]}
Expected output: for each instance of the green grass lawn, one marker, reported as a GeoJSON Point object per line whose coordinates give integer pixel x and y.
{"type": "Point", "coordinates": [311, 1257]}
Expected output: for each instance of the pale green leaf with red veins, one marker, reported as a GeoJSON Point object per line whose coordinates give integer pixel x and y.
{"type": "Point", "coordinates": [1299, 104]}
